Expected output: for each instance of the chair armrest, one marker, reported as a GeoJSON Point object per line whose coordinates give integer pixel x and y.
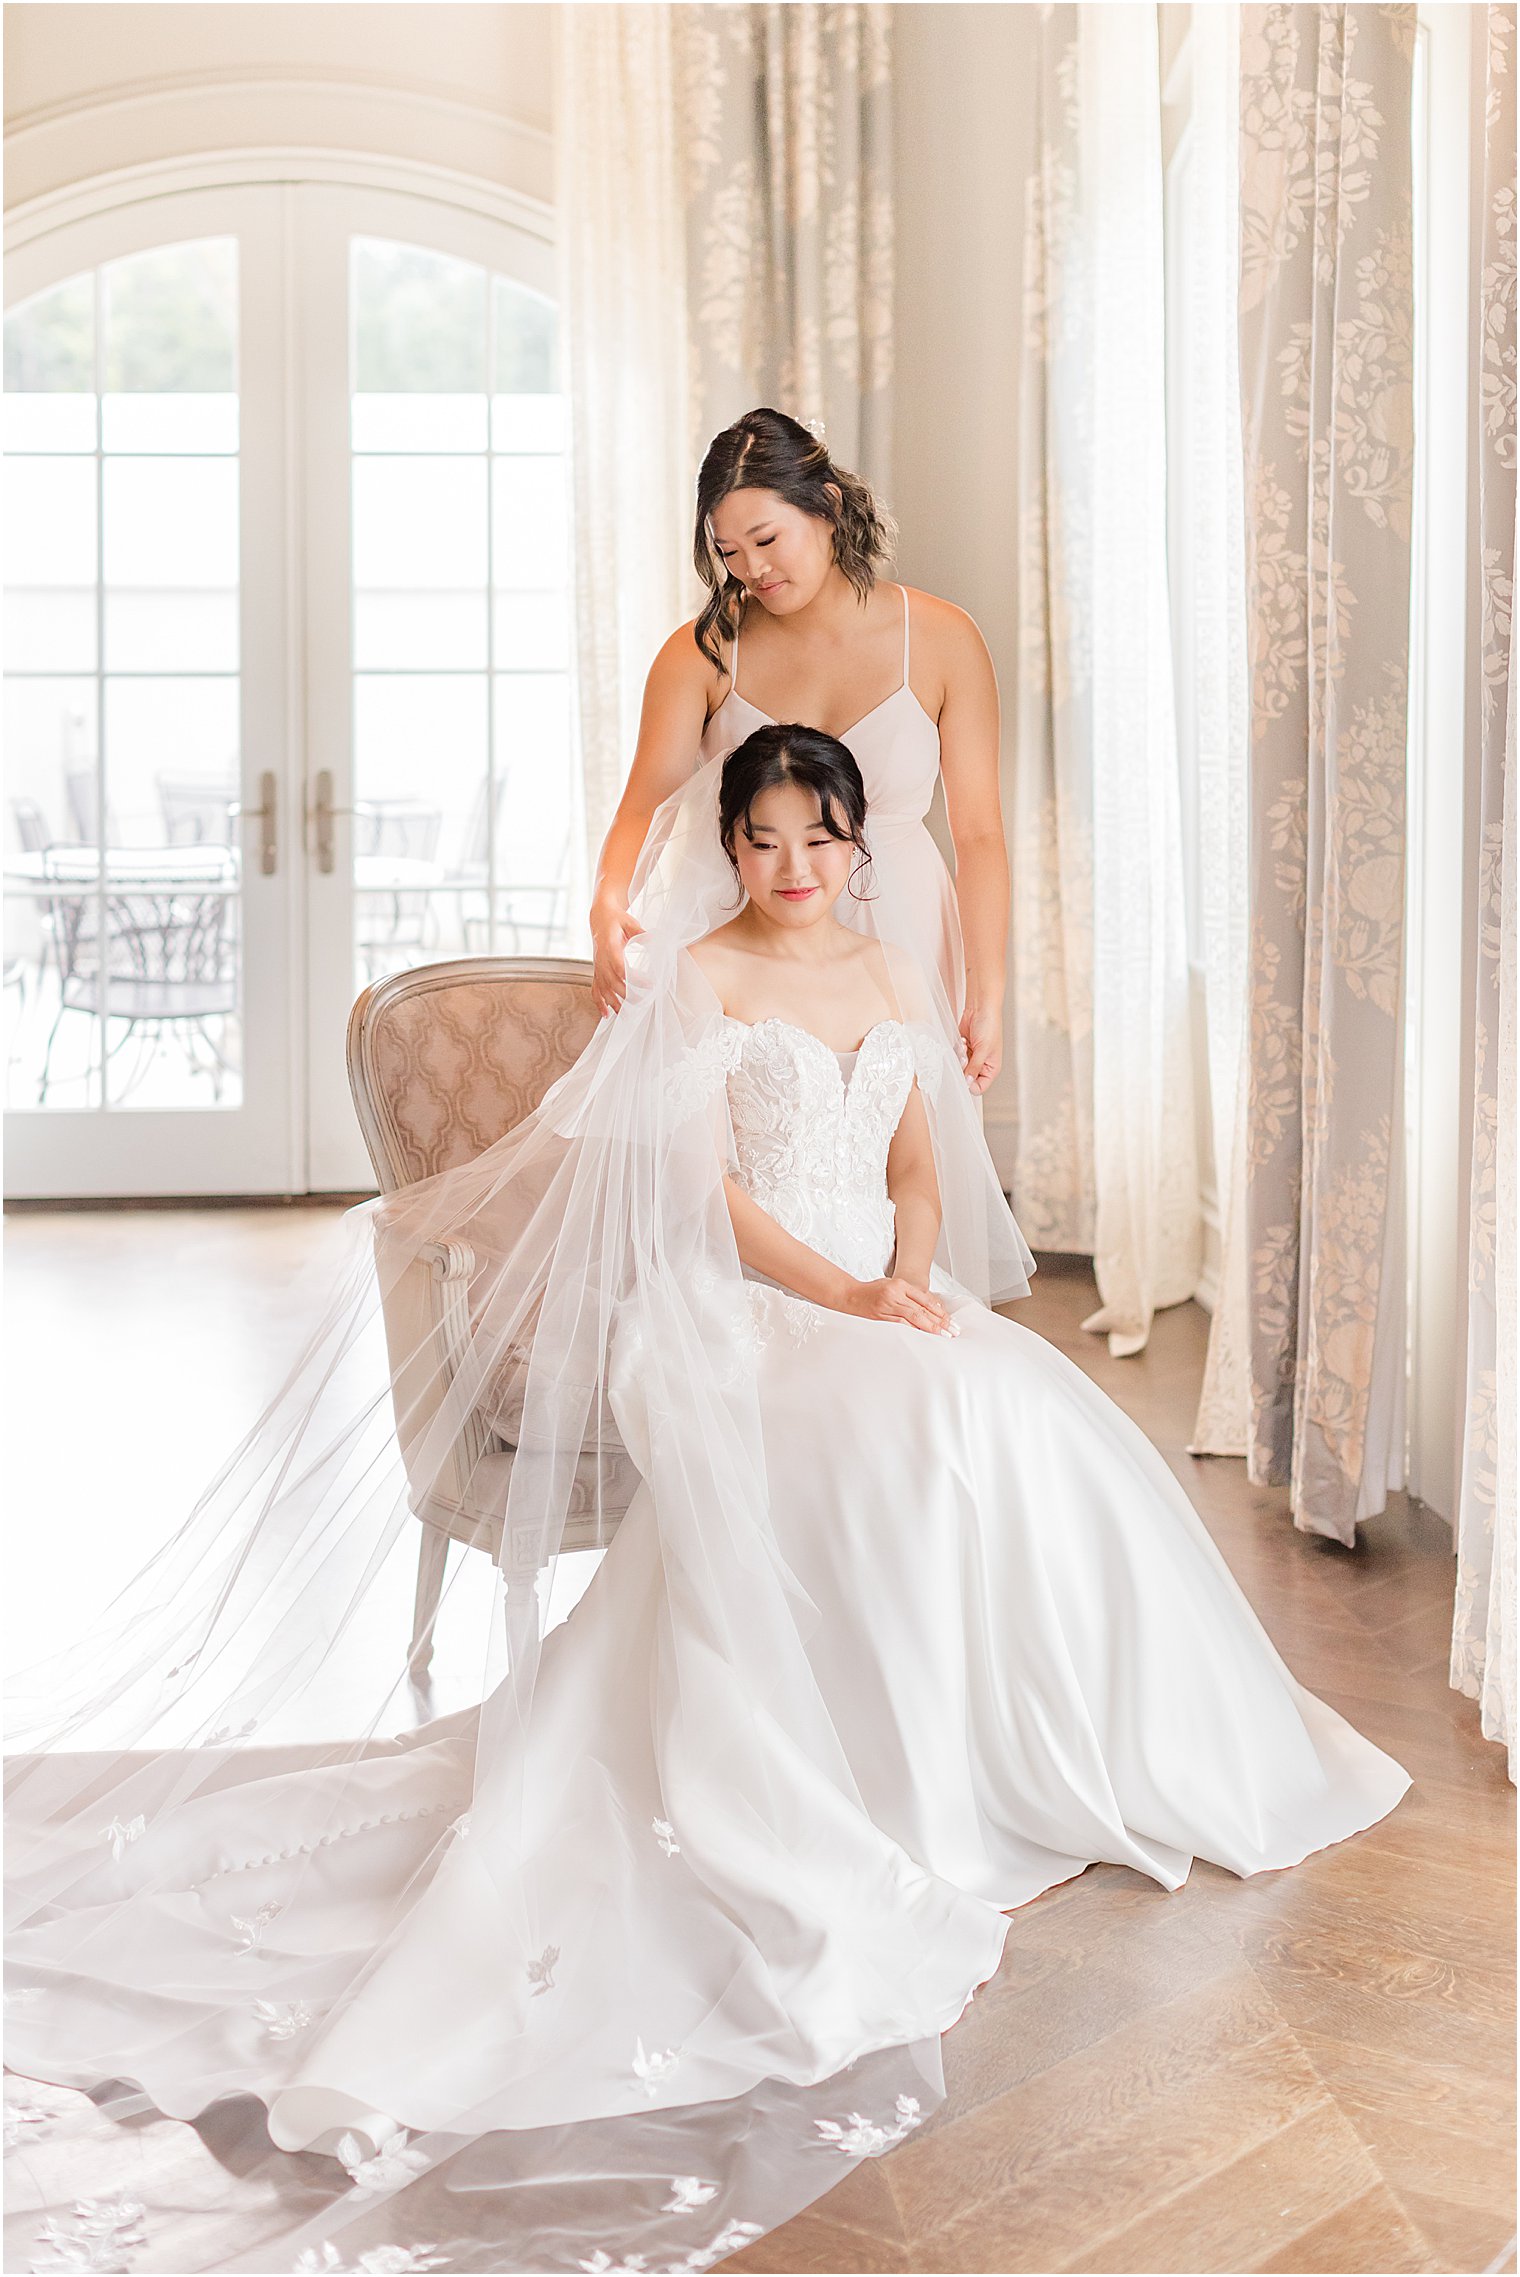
{"type": "Point", "coordinates": [427, 1327]}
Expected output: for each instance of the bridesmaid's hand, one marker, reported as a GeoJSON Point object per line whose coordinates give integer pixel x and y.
{"type": "Point", "coordinates": [611, 930]}
{"type": "Point", "coordinates": [982, 1028]}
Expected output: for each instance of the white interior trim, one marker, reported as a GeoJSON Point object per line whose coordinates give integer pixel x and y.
{"type": "Point", "coordinates": [98, 194]}
{"type": "Point", "coordinates": [192, 86]}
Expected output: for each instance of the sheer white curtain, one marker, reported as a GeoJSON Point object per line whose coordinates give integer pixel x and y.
{"type": "Point", "coordinates": [1105, 1156]}
{"type": "Point", "coordinates": [624, 317]}
{"type": "Point", "coordinates": [1483, 1630]}
{"type": "Point", "coordinates": [1221, 683]}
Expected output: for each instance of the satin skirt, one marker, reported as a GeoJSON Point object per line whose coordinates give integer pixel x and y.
{"type": "Point", "coordinates": [1034, 1658]}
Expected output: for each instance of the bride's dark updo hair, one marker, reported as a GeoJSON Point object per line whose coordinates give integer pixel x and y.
{"type": "Point", "coordinates": [768, 450]}
{"type": "Point", "coordinates": [816, 762]}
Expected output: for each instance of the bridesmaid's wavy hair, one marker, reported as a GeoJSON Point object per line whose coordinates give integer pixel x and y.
{"type": "Point", "coordinates": [788, 753]}
{"type": "Point", "coordinates": [769, 450]}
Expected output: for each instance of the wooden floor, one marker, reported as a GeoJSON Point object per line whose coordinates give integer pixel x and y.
{"type": "Point", "coordinates": [1308, 2071]}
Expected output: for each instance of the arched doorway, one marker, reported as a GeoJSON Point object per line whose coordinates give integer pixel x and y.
{"type": "Point", "coordinates": [289, 686]}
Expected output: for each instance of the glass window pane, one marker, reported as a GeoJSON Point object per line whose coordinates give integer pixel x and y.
{"type": "Point", "coordinates": [529, 423]}
{"type": "Point", "coordinates": [533, 758]}
{"type": "Point", "coordinates": [50, 341]}
{"type": "Point", "coordinates": [420, 522]}
{"type": "Point", "coordinates": [421, 737]}
{"type": "Point", "coordinates": [533, 631]}
{"type": "Point", "coordinates": [419, 631]}
{"type": "Point", "coordinates": [49, 737]}
{"type": "Point", "coordinates": [162, 732]}
{"type": "Point", "coordinates": [176, 423]}
{"type": "Point", "coordinates": [170, 320]}
{"type": "Point", "coordinates": [50, 422]}
{"type": "Point", "coordinates": [49, 740]}
{"type": "Point", "coordinates": [171, 522]}
{"type": "Point", "coordinates": [527, 341]}
{"type": "Point", "coordinates": [419, 321]}
{"type": "Point", "coordinates": [50, 629]}
{"type": "Point", "coordinates": [50, 521]}
{"type": "Point", "coordinates": [419, 422]}
{"type": "Point", "coordinates": [530, 530]}
{"type": "Point", "coordinates": [171, 632]}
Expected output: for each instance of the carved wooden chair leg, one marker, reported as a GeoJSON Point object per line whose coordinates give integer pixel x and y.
{"type": "Point", "coordinates": [520, 1590]}
{"type": "Point", "coordinates": [432, 1559]}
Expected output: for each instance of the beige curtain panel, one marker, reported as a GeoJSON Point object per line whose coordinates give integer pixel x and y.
{"type": "Point", "coordinates": [725, 193]}
{"type": "Point", "coordinates": [1483, 1632]}
{"type": "Point", "coordinates": [1326, 328]}
{"type": "Point", "coordinates": [786, 166]}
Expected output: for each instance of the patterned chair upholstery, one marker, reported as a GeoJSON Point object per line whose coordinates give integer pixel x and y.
{"type": "Point", "coordinates": [441, 1061]}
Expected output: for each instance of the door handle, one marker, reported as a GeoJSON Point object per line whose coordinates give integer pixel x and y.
{"type": "Point", "coordinates": [266, 815]}
{"type": "Point", "coordinates": [323, 812]}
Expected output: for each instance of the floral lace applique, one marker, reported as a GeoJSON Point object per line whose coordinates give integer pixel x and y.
{"type": "Point", "coordinates": [541, 1971]}
{"type": "Point", "coordinates": [654, 2067]}
{"type": "Point", "coordinates": [767, 1304]}
{"type": "Point", "coordinates": [702, 1070]}
{"type": "Point", "coordinates": [26, 2123]}
{"type": "Point", "coordinates": [122, 1831]}
{"type": "Point", "coordinates": [385, 2169]}
{"type": "Point", "coordinates": [929, 1057]}
{"type": "Point", "coordinates": [380, 2260]}
{"type": "Point", "coordinates": [283, 2020]}
{"type": "Point", "coordinates": [98, 2236]}
{"type": "Point", "coordinates": [225, 1732]}
{"type": "Point", "coordinates": [859, 2137]}
{"type": "Point", "coordinates": [729, 2239]}
{"type": "Point", "coordinates": [251, 1933]}
{"type": "Point", "coordinates": [687, 2192]}
{"type": "Point", "coordinates": [665, 1835]}
{"type": "Point", "coordinates": [812, 1148]}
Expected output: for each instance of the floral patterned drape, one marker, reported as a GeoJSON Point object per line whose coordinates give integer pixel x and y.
{"type": "Point", "coordinates": [1326, 327]}
{"type": "Point", "coordinates": [725, 198]}
{"type": "Point", "coordinates": [786, 163]}
{"type": "Point", "coordinates": [1483, 1630]}
{"type": "Point", "coordinates": [1104, 1151]}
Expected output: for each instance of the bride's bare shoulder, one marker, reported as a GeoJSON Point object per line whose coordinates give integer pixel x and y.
{"type": "Point", "coordinates": [717, 951]}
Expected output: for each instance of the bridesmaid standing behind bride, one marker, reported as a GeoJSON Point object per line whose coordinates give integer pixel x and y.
{"type": "Point", "coordinates": [790, 546]}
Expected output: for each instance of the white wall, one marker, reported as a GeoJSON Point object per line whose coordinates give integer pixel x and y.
{"type": "Point", "coordinates": [964, 146]}
{"type": "Point", "coordinates": [93, 88]}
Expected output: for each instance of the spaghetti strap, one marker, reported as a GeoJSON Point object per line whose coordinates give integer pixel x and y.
{"type": "Point", "coordinates": [903, 590]}
{"type": "Point", "coordinates": [733, 663]}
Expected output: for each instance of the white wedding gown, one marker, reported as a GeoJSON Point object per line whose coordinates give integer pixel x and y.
{"type": "Point", "coordinates": [1031, 1650]}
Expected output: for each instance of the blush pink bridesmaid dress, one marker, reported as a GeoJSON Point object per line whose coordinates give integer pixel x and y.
{"type": "Point", "coordinates": [896, 747]}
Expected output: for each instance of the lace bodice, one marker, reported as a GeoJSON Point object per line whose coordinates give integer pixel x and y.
{"type": "Point", "coordinates": [811, 1139]}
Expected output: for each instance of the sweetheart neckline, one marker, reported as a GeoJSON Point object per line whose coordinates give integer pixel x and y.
{"type": "Point", "coordinates": [772, 1020]}
{"type": "Point", "coordinates": [902, 689]}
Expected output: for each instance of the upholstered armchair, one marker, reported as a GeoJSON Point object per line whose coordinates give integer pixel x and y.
{"type": "Point", "coordinates": [441, 1061]}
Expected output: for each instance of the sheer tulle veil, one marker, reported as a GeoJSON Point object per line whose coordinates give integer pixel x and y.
{"type": "Point", "coordinates": [452, 1992]}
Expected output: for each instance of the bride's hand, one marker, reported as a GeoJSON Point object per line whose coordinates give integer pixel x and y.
{"type": "Point", "coordinates": [611, 930]}
{"type": "Point", "coordinates": [901, 1300]}
{"type": "Point", "coordinates": [982, 1028]}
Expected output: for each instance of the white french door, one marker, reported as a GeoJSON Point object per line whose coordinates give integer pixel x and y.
{"type": "Point", "coordinates": [288, 690]}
